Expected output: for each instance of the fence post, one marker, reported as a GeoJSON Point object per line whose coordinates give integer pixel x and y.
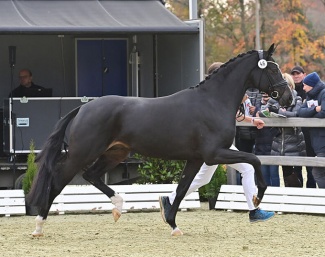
{"type": "Point", "coordinates": [231, 176]}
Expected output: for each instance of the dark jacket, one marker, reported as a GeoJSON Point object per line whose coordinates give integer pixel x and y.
{"type": "Point", "coordinates": [21, 91]}
{"type": "Point", "coordinates": [246, 133]}
{"type": "Point", "coordinates": [317, 135]}
{"type": "Point", "coordinates": [299, 88]}
{"type": "Point", "coordinates": [290, 140]}
{"type": "Point", "coordinates": [264, 139]}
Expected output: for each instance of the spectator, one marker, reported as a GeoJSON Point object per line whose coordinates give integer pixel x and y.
{"type": "Point", "coordinates": [290, 141]}
{"type": "Point", "coordinates": [298, 74]}
{"type": "Point", "coordinates": [314, 107]}
{"type": "Point", "coordinates": [26, 85]}
{"type": "Point", "coordinates": [263, 142]}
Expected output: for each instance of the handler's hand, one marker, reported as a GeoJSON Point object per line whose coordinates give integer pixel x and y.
{"type": "Point", "coordinates": [259, 123]}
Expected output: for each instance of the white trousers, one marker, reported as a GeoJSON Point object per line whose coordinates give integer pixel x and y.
{"type": "Point", "coordinates": [206, 172]}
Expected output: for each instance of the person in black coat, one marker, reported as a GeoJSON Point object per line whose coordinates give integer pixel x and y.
{"type": "Point", "coordinates": [290, 140]}
{"type": "Point", "coordinates": [314, 107]}
{"type": "Point", "coordinates": [26, 84]}
{"type": "Point", "coordinates": [298, 74]}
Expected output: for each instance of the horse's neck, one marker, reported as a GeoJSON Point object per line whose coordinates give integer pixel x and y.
{"type": "Point", "coordinates": [230, 87]}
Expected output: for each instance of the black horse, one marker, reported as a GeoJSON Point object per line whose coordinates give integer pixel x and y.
{"type": "Point", "coordinates": [196, 124]}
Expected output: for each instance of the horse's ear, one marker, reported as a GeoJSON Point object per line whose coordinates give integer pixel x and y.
{"type": "Point", "coordinates": [271, 50]}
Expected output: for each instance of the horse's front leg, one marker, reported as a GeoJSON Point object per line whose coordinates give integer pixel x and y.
{"type": "Point", "coordinates": [231, 156]}
{"type": "Point", "coordinates": [40, 220]}
{"type": "Point", "coordinates": [261, 185]}
{"type": "Point", "coordinates": [189, 172]}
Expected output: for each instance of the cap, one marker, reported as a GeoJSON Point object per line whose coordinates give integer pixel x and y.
{"type": "Point", "coordinates": [298, 69]}
{"type": "Point", "coordinates": [311, 79]}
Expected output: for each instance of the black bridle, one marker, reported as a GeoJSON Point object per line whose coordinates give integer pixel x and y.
{"type": "Point", "coordinates": [273, 87]}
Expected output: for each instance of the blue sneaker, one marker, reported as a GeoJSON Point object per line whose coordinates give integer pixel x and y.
{"type": "Point", "coordinates": [260, 215]}
{"type": "Point", "coordinates": [164, 207]}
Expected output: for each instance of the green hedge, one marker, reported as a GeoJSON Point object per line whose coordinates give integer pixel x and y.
{"type": "Point", "coordinates": [158, 171]}
{"type": "Point", "coordinates": [31, 169]}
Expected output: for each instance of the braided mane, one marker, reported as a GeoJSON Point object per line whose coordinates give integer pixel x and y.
{"type": "Point", "coordinates": [223, 66]}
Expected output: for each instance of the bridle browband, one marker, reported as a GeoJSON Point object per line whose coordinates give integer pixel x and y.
{"type": "Point", "coordinates": [262, 64]}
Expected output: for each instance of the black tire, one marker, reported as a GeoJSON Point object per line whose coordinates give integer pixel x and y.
{"type": "Point", "coordinates": [19, 182]}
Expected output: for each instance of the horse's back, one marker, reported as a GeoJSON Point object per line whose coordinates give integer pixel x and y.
{"type": "Point", "coordinates": [140, 110]}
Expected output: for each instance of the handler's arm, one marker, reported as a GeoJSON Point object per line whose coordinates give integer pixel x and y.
{"type": "Point", "coordinates": [256, 121]}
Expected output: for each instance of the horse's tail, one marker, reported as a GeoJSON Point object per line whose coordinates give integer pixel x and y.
{"type": "Point", "coordinates": [47, 160]}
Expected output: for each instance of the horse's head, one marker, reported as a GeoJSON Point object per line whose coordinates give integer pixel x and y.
{"type": "Point", "coordinates": [270, 79]}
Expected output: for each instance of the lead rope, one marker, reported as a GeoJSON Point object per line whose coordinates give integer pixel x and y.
{"type": "Point", "coordinates": [240, 113]}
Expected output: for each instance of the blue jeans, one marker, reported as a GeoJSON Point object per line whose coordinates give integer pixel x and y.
{"type": "Point", "coordinates": [271, 175]}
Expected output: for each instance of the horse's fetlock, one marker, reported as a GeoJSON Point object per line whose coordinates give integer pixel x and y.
{"type": "Point", "coordinates": [117, 200]}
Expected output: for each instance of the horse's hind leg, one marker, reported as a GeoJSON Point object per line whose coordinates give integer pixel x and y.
{"type": "Point", "coordinates": [108, 160]}
{"type": "Point", "coordinates": [42, 215]}
{"type": "Point", "coordinates": [58, 182]}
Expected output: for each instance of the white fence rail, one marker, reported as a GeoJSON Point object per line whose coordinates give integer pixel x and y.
{"type": "Point", "coordinates": [87, 198]}
{"type": "Point", "coordinates": [12, 202]}
{"type": "Point", "coordinates": [280, 199]}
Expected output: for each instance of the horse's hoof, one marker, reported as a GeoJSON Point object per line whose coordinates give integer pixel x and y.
{"type": "Point", "coordinates": [116, 214]}
{"type": "Point", "coordinates": [37, 234]}
{"type": "Point", "coordinates": [256, 201]}
{"type": "Point", "coordinates": [177, 232]}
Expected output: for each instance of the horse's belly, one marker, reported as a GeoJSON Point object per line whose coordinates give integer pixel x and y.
{"type": "Point", "coordinates": [162, 146]}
